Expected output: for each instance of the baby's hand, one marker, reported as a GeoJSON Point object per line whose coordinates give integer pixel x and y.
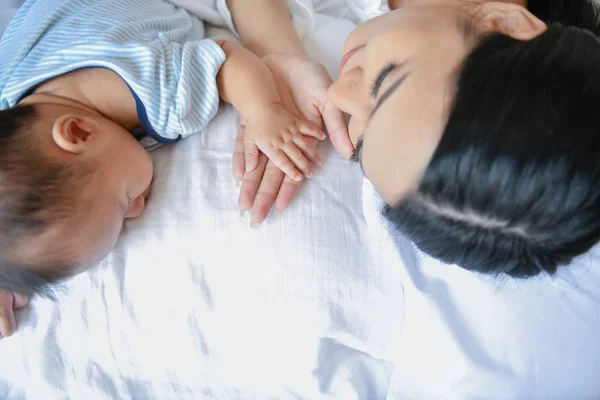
{"type": "Point", "coordinates": [281, 137]}
{"type": "Point", "coordinates": [9, 302]}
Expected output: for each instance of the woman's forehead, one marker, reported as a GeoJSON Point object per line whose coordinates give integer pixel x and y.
{"type": "Point", "coordinates": [400, 139]}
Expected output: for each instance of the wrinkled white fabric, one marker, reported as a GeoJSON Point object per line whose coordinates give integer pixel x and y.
{"type": "Point", "coordinates": [321, 302]}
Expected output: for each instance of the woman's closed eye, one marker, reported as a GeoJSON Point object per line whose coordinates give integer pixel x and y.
{"type": "Point", "coordinates": [376, 85]}
{"type": "Point", "coordinates": [390, 90]}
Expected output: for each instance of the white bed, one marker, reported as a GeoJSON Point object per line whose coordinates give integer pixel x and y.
{"type": "Point", "coordinates": [321, 302]}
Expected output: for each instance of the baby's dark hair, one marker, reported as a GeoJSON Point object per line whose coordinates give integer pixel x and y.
{"type": "Point", "coordinates": [35, 192]}
{"type": "Point", "coordinates": [514, 185]}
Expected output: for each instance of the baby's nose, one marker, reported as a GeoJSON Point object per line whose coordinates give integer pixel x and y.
{"type": "Point", "coordinates": [136, 208]}
{"type": "Point", "coordinates": [146, 193]}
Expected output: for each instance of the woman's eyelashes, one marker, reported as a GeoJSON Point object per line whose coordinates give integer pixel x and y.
{"type": "Point", "coordinates": [376, 85]}
{"type": "Point", "coordinates": [356, 153]}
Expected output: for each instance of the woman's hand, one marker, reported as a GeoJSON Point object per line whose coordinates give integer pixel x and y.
{"type": "Point", "coordinates": [302, 85]}
{"type": "Point", "coordinates": [307, 82]}
{"type": "Point", "coordinates": [9, 303]}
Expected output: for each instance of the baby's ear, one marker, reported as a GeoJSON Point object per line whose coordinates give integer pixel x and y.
{"type": "Point", "coordinates": [74, 133]}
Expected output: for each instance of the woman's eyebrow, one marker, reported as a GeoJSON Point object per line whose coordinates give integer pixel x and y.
{"type": "Point", "coordinates": [388, 93]}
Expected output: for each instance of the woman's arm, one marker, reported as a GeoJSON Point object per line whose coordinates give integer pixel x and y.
{"type": "Point", "coordinates": [265, 27]}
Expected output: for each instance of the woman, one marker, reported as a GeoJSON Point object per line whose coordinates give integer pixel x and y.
{"type": "Point", "coordinates": [474, 120]}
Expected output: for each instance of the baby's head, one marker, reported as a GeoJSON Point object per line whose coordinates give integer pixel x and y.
{"type": "Point", "coordinates": [69, 178]}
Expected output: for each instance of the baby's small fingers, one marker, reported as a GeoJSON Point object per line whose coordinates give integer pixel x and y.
{"type": "Point", "coordinates": [298, 158]}
{"type": "Point", "coordinates": [308, 129]}
{"type": "Point", "coordinates": [251, 155]}
{"type": "Point", "coordinates": [280, 159]}
{"type": "Point", "coordinates": [308, 149]}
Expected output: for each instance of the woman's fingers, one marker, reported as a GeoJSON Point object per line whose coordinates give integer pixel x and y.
{"type": "Point", "coordinates": [251, 154]}
{"type": "Point", "coordinates": [265, 186]}
{"type": "Point", "coordinates": [270, 189]}
{"type": "Point", "coordinates": [251, 183]}
{"type": "Point", "coordinates": [338, 130]}
{"type": "Point", "coordinates": [280, 159]}
{"type": "Point", "coordinates": [239, 156]}
{"type": "Point", "coordinates": [287, 190]}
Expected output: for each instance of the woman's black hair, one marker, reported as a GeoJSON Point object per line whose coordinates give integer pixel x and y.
{"type": "Point", "coordinates": [514, 185]}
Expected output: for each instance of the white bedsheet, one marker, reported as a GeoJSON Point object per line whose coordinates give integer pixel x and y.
{"type": "Point", "coordinates": [320, 302]}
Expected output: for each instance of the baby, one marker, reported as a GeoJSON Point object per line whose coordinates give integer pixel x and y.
{"type": "Point", "coordinates": [84, 86]}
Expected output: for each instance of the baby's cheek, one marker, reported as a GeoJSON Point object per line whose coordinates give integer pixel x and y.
{"type": "Point", "coordinates": [101, 236]}
{"type": "Point", "coordinates": [146, 177]}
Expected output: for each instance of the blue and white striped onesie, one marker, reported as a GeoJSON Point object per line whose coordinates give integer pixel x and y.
{"type": "Point", "coordinates": [158, 49]}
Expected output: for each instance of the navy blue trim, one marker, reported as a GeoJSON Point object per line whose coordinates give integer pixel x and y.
{"type": "Point", "coordinates": [143, 117]}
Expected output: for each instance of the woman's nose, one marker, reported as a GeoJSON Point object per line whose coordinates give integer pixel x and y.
{"type": "Point", "coordinates": [349, 95]}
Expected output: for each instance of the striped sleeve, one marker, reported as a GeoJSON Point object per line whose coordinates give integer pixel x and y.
{"type": "Point", "coordinates": [189, 97]}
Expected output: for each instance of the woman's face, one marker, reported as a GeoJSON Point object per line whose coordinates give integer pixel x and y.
{"type": "Point", "coordinates": [396, 83]}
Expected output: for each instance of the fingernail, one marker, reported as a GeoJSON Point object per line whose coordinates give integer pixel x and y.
{"type": "Point", "coordinates": [255, 225]}
{"type": "Point", "coordinates": [298, 178]}
{"type": "Point", "coordinates": [244, 213]}
{"type": "Point", "coordinates": [319, 162]}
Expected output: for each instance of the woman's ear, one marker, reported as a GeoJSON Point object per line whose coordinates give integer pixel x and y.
{"type": "Point", "coordinates": [509, 19]}
{"type": "Point", "coordinates": [74, 133]}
